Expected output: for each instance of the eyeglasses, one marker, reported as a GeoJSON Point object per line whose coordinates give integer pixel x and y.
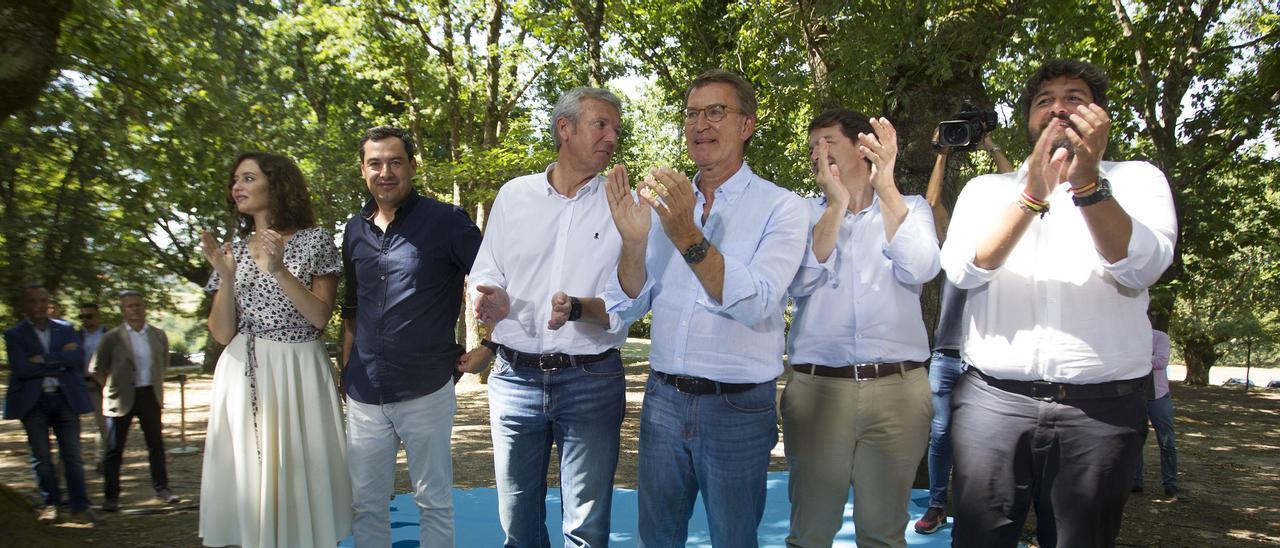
{"type": "Point", "coordinates": [715, 113]}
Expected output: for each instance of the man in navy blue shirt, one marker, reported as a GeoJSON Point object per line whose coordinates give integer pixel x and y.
{"type": "Point", "coordinates": [405, 256]}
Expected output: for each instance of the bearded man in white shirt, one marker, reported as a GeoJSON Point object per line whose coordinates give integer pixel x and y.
{"type": "Point", "coordinates": [548, 251]}
{"type": "Point", "coordinates": [1056, 258]}
{"type": "Point", "coordinates": [857, 406]}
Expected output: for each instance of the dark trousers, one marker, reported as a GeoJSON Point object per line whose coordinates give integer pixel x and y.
{"type": "Point", "coordinates": [147, 410]}
{"type": "Point", "coordinates": [53, 411]}
{"type": "Point", "coordinates": [1078, 456]}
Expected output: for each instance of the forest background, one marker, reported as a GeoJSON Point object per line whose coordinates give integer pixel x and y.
{"type": "Point", "coordinates": [118, 119]}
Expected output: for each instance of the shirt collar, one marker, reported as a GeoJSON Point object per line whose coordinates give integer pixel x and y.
{"type": "Point", "coordinates": [130, 329]}
{"type": "Point", "coordinates": [733, 187]}
{"type": "Point", "coordinates": [586, 189]}
{"type": "Point", "coordinates": [371, 206]}
{"type": "Point", "coordinates": [875, 200]}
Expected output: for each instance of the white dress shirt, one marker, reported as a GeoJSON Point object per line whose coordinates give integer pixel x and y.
{"type": "Point", "coordinates": [539, 242]}
{"type": "Point", "coordinates": [91, 340]}
{"type": "Point", "coordinates": [141, 355]}
{"type": "Point", "coordinates": [45, 335]}
{"type": "Point", "coordinates": [760, 229]}
{"type": "Point", "coordinates": [863, 304]}
{"type": "Point", "coordinates": [1057, 310]}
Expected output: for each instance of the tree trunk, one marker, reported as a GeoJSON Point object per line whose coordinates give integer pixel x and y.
{"type": "Point", "coordinates": [1200, 354]}
{"type": "Point", "coordinates": [29, 30]}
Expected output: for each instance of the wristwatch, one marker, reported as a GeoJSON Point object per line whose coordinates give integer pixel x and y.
{"type": "Point", "coordinates": [696, 252]}
{"type": "Point", "coordinates": [492, 346]}
{"type": "Point", "coordinates": [575, 309]}
{"type": "Point", "coordinates": [1102, 193]}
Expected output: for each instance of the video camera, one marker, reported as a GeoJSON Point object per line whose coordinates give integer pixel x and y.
{"type": "Point", "coordinates": [967, 129]}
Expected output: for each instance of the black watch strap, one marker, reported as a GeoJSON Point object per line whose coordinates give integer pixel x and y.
{"type": "Point", "coordinates": [575, 309]}
{"type": "Point", "coordinates": [696, 252]}
{"type": "Point", "coordinates": [492, 346]}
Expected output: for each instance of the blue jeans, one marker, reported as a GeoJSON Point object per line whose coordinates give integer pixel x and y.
{"type": "Point", "coordinates": [579, 409]}
{"type": "Point", "coordinates": [716, 444]}
{"type": "Point", "coordinates": [943, 372]}
{"type": "Point", "coordinates": [53, 411]}
{"type": "Point", "coordinates": [1160, 413]}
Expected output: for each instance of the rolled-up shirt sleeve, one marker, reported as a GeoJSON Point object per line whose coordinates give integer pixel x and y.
{"type": "Point", "coordinates": [973, 218]}
{"type": "Point", "coordinates": [914, 247]}
{"type": "Point", "coordinates": [487, 269]}
{"type": "Point", "coordinates": [1143, 192]}
{"type": "Point", "coordinates": [754, 290]}
{"type": "Point", "coordinates": [623, 307]}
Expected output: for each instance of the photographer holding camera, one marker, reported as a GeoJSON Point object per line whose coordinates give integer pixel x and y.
{"type": "Point", "coordinates": [945, 363]}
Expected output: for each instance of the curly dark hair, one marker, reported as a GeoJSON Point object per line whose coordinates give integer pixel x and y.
{"type": "Point", "coordinates": [288, 200]}
{"type": "Point", "coordinates": [1055, 68]}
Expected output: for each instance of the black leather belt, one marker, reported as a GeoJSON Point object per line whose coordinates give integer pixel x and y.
{"type": "Point", "coordinates": [858, 371]}
{"type": "Point", "coordinates": [1061, 391]}
{"type": "Point", "coordinates": [551, 362]}
{"type": "Point", "coordinates": [950, 352]}
{"type": "Point", "coordinates": [698, 386]}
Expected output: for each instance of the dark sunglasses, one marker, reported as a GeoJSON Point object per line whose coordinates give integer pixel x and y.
{"type": "Point", "coordinates": [86, 316]}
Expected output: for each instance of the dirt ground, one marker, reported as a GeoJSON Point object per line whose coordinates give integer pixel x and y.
{"type": "Point", "coordinates": [1228, 445]}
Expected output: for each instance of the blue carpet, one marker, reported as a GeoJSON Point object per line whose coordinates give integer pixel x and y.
{"type": "Point", "coordinates": [476, 519]}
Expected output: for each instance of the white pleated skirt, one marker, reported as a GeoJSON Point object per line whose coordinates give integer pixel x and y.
{"type": "Point", "coordinates": [298, 493]}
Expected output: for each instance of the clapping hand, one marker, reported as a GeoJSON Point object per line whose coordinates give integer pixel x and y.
{"type": "Point", "coordinates": [882, 149]}
{"type": "Point", "coordinates": [267, 251]}
{"type": "Point", "coordinates": [670, 193]}
{"type": "Point", "coordinates": [827, 174]}
{"type": "Point", "coordinates": [630, 216]}
{"type": "Point", "coordinates": [219, 256]}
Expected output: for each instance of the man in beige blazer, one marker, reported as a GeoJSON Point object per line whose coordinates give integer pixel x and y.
{"type": "Point", "coordinates": [130, 365]}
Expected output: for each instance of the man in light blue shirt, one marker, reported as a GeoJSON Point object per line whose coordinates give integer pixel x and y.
{"type": "Point", "coordinates": [714, 270]}
{"type": "Point", "coordinates": [856, 409]}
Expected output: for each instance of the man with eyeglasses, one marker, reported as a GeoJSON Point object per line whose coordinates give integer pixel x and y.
{"type": "Point", "coordinates": [91, 332]}
{"type": "Point", "coordinates": [548, 251]}
{"type": "Point", "coordinates": [714, 269]}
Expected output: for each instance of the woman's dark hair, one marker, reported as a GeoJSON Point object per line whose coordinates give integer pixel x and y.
{"type": "Point", "coordinates": [288, 202]}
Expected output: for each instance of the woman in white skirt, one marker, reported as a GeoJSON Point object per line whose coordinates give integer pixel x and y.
{"type": "Point", "coordinates": [275, 471]}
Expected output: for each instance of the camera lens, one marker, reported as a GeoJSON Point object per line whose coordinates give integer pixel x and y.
{"type": "Point", "coordinates": [954, 133]}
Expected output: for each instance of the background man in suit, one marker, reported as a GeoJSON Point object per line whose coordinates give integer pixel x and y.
{"type": "Point", "coordinates": [46, 390]}
{"type": "Point", "coordinates": [91, 332]}
{"type": "Point", "coordinates": [130, 365]}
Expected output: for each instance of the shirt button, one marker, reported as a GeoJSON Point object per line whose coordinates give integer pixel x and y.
{"type": "Point", "coordinates": [383, 277]}
{"type": "Point", "coordinates": [684, 324]}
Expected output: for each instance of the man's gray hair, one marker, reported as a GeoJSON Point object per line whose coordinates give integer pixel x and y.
{"type": "Point", "coordinates": [570, 106]}
{"type": "Point", "coordinates": [132, 293]}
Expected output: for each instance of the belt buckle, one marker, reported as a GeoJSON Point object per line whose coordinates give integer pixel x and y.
{"type": "Point", "coordinates": [859, 378]}
{"type": "Point", "coordinates": [1047, 391]}
{"type": "Point", "coordinates": [550, 362]}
